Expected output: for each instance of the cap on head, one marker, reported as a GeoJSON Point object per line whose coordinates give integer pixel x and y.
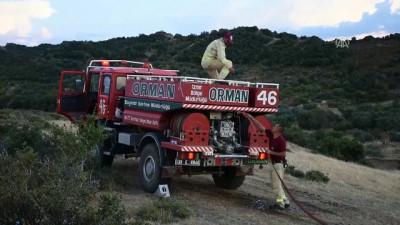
{"type": "Point", "coordinates": [228, 37]}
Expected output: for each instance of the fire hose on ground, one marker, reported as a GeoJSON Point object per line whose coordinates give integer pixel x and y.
{"type": "Point", "coordinates": [320, 221]}
{"type": "Point", "coordinates": [255, 123]}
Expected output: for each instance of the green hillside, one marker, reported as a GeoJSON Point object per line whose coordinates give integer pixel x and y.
{"type": "Point", "coordinates": [326, 91]}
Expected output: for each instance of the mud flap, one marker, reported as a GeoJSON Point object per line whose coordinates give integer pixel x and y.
{"type": "Point", "coordinates": [171, 171]}
{"type": "Point", "coordinates": [245, 170]}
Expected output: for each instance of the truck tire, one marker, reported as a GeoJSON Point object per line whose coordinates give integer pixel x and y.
{"type": "Point", "coordinates": [150, 168]}
{"type": "Point", "coordinates": [104, 160]}
{"type": "Point", "coordinates": [228, 180]}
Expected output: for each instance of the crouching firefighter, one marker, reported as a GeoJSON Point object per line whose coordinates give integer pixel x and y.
{"type": "Point", "coordinates": [214, 58]}
{"type": "Point", "coordinates": [277, 164]}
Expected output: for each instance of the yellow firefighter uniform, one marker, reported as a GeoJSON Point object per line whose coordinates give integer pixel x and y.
{"type": "Point", "coordinates": [214, 60]}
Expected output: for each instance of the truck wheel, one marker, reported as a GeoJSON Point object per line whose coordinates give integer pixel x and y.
{"type": "Point", "coordinates": [104, 160]}
{"type": "Point", "coordinates": [150, 168]}
{"type": "Point", "coordinates": [228, 180]}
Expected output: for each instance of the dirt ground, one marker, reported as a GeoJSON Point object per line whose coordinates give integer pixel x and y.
{"type": "Point", "coordinates": [354, 195]}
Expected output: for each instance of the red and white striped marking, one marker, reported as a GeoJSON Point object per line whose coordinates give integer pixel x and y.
{"type": "Point", "coordinates": [197, 149]}
{"type": "Point", "coordinates": [229, 108]}
{"type": "Point", "coordinates": [256, 150]}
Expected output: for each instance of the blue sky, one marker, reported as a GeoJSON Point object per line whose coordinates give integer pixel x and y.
{"type": "Point", "coordinates": [32, 22]}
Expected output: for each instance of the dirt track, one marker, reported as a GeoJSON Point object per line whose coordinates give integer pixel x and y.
{"type": "Point", "coordinates": [210, 204]}
{"type": "Point", "coordinates": [341, 201]}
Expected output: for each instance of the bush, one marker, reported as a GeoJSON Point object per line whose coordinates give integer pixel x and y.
{"type": "Point", "coordinates": [285, 115]}
{"type": "Point", "coordinates": [310, 140]}
{"type": "Point", "coordinates": [310, 106]}
{"type": "Point", "coordinates": [373, 150]}
{"type": "Point", "coordinates": [48, 178]}
{"type": "Point", "coordinates": [163, 210]}
{"type": "Point", "coordinates": [320, 135]}
{"type": "Point", "coordinates": [388, 121]}
{"type": "Point", "coordinates": [363, 120]}
{"type": "Point", "coordinates": [342, 126]}
{"type": "Point", "coordinates": [293, 172]}
{"type": "Point", "coordinates": [110, 211]}
{"type": "Point", "coordinates": [316, 119]}
{"type": "Point", "coordinates": [343, 149]}
{"type": "Point", "coordinates": [296, 135]}
{"type": "Point", "coordinates": [312, 175]}
{"type": "Point", "coordinates": [363, 136]}
{"type": "Point", "coordinates": [316, 175]}
{"type": "Point", "coordinates": [394, 136]}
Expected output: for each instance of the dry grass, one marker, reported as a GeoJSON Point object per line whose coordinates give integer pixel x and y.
{"type": "Point", "coordinates": [355, 194]}
{"type": "Point", "coordinates": [346, 176]}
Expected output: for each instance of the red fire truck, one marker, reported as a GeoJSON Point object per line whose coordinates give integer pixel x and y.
{"type": "Point", "coordinates": [176, 125]}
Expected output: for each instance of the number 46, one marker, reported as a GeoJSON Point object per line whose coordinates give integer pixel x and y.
{"type": "Point", "coordinates": [270, 98]}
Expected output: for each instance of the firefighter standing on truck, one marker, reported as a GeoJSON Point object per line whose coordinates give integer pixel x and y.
{"type": "Point", "coordinates": [277, 153]}
{"type": "Point", "coordinates": [214, 58]}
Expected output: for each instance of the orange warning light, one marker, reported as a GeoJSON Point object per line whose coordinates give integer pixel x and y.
{"type": "Point", "coordinates": [105, 63]}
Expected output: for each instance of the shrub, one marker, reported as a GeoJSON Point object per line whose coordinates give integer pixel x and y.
{"type": "Point", "coordinates": [342, 126]}
{"type": "Point", "coordinates": [293, 172]}
{"type": "Point", "coordinates": [47, 179]}
{"type": "Point", "coordinates": [363, 136]}
{"type": "Point", "coordinates": [320, 134]}
{"type": "Point", "coordinates": [363, 120]}
{"type": "Point", "coordinates": [285, 116]}
{"type": "Point", "coordinates": [394, 136]}
{"type": "Point", "coordinates": [163, 210]}
{"type": "Point", "coordinates": [298, 100]}
{"type": "Point", "coordinates": [373, 150]}
{"type": "Point", "coordinates": [310, 140]}
{"type": "Point", "coordinates": [316, 119]}
{"type": "Point", "coordinates": [316, 175]}
{"type": "Point", "coordinates": [388, 121]}
{"type": "Point", "coordinates": [312, 175]}
{"type": "Point", "coordinates": [310, 106]}
{"type": "Point", "coordinates": [296, 135]}
{"type": "Point", "coordinates": [110, 211]}
{"type": "Point", "coordinates": [342, 148]}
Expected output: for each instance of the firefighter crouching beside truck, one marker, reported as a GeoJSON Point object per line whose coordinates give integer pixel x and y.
{"type": "Point", "coordinates": [277, 153]}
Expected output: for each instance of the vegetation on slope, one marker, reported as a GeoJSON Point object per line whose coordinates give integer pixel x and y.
{"type": "Point", "coordinates": [50, 175]}
{"type": "Point", "coordinates": [351, 92]}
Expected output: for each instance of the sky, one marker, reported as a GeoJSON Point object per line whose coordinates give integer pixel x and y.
{"type": "Point", "coordinates": [33, 22]}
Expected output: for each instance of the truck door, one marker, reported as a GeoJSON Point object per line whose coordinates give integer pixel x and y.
{"type": "Point", "coordinates": [93, 90]}
{"type": "Point", "coordinates": [72, 99]}
{"type": "Point", "coordinates": [104, 96]}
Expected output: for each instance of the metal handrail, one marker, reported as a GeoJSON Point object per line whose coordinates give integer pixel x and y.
{"type": "Point", "coordinates": [262, 85]}
{"type": "Point", "coordinates": [117, 60]}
